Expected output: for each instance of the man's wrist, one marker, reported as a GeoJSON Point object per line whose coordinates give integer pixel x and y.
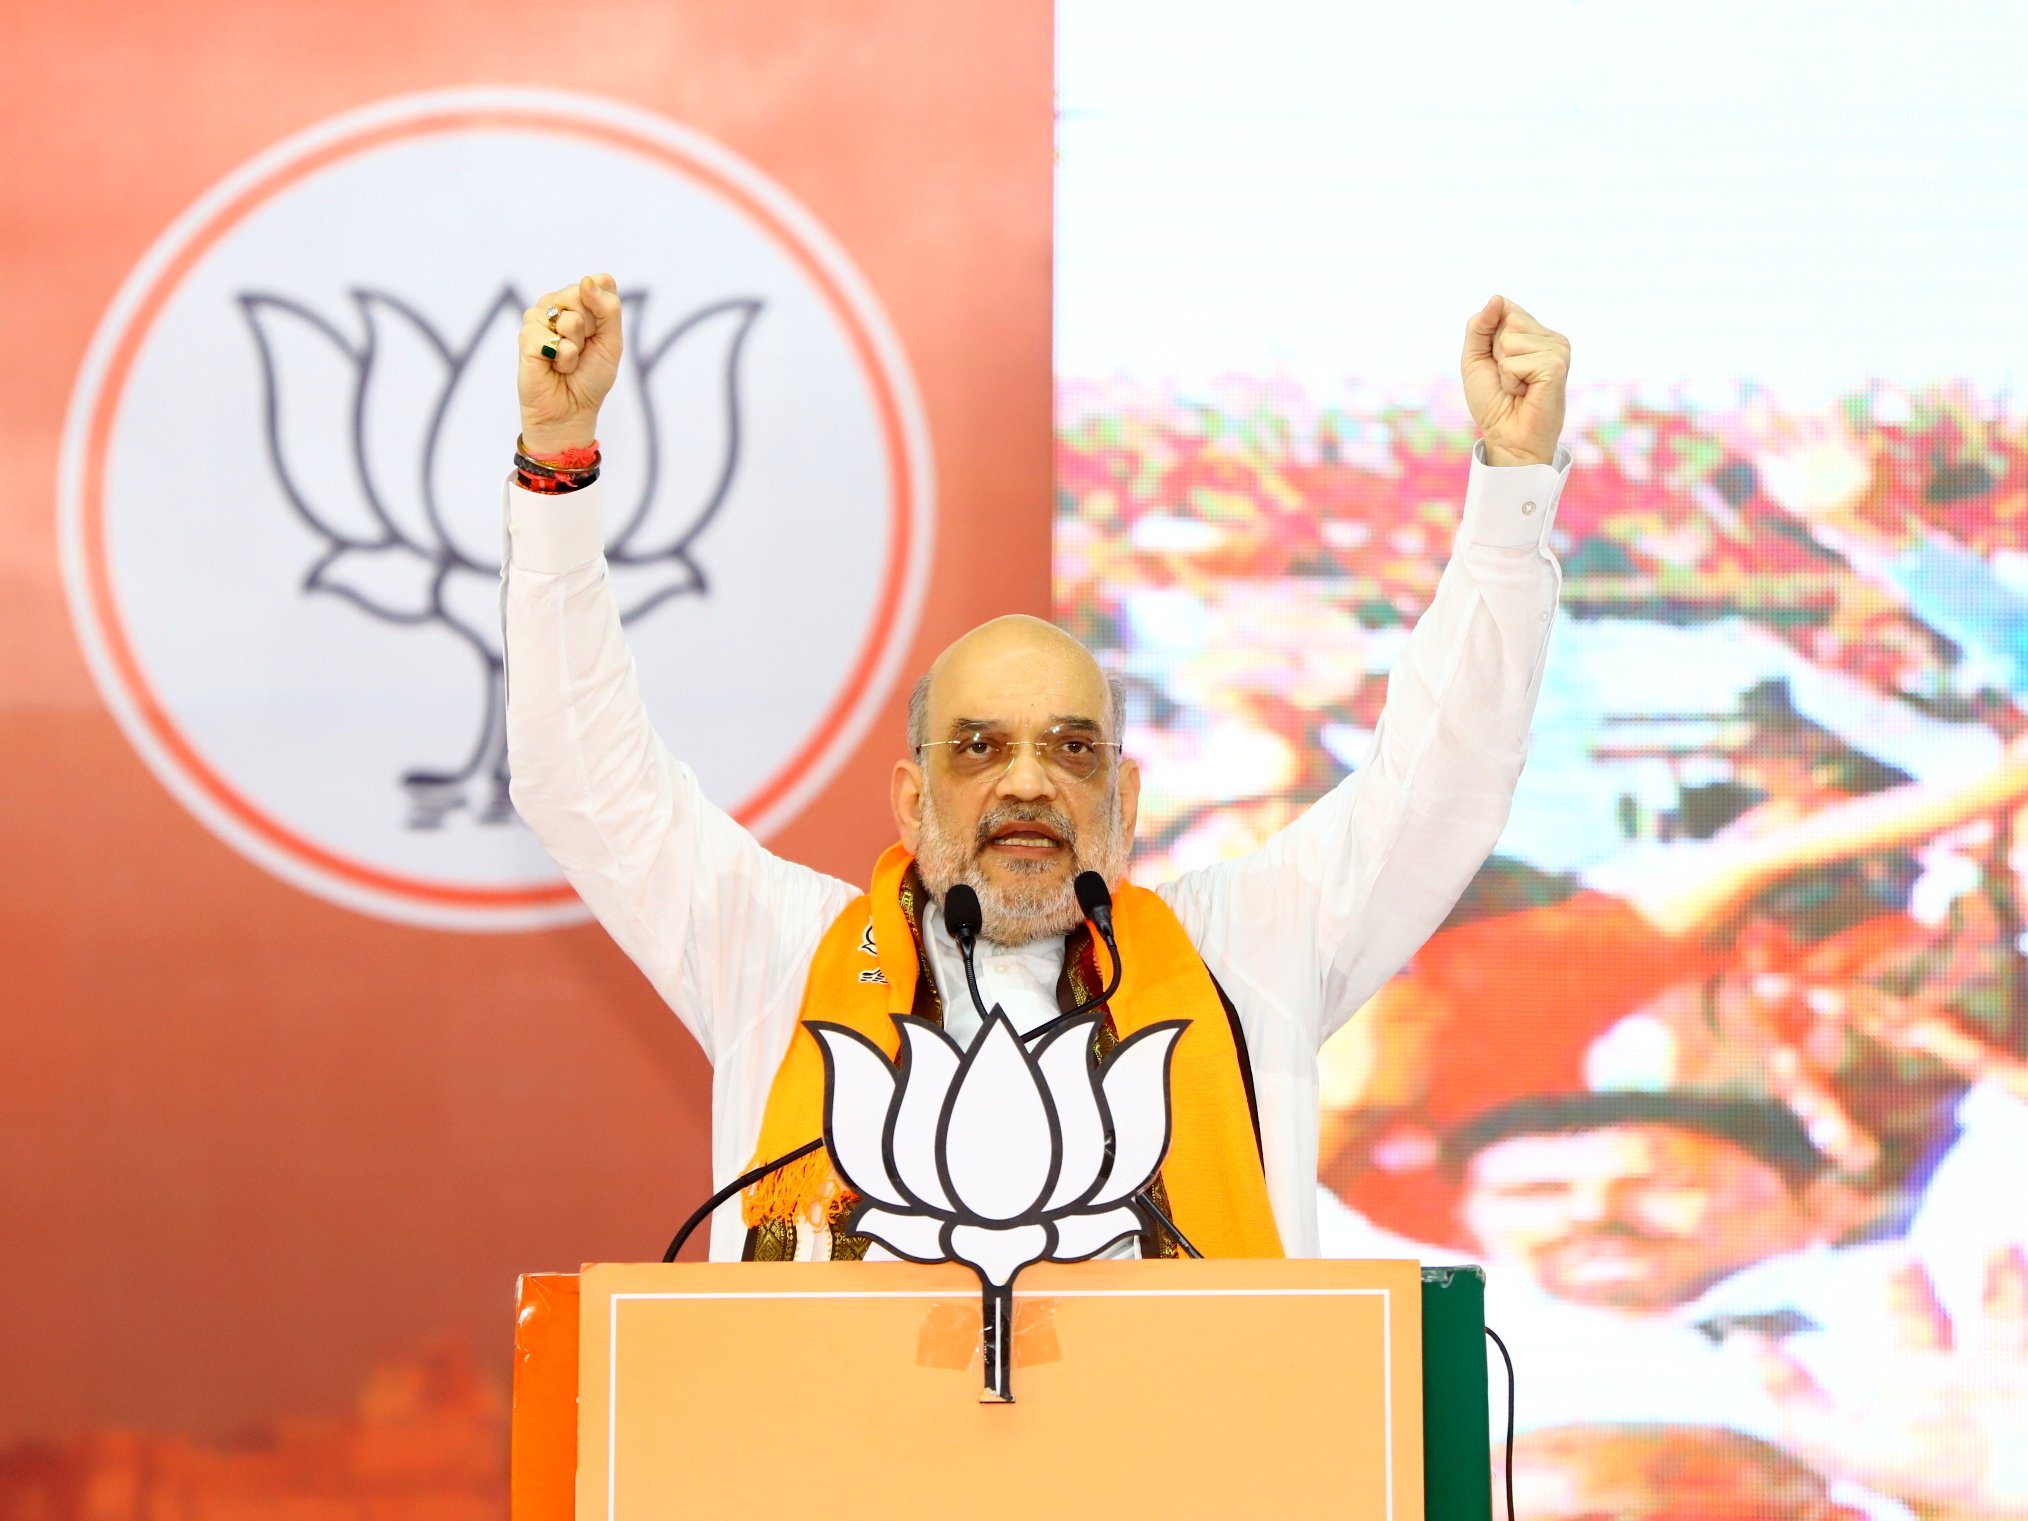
{"type": "Point", "coordinates": [1505, 459]}
{"type": "Point", "coordinates": [547, 442]}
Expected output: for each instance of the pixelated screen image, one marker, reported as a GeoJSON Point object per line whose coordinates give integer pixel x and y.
{"type": "Point", "coordinates": [1720, 1066]}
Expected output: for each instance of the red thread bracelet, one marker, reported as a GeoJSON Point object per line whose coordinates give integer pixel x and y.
{"type": "Point", "coordinates": [568, 460]}
{"type": "Point", "coordinates": [554, 474]}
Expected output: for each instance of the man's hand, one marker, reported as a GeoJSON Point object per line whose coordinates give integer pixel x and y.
{"type": "Point", "coordinates": [561, 393]}
{"type": "Point", "coordinates": [1514, 370]}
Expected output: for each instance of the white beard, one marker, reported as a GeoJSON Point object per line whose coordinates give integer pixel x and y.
{"type": "Point", "coordinates": [1023, 911]}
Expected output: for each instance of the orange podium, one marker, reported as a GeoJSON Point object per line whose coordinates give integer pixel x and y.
{"type": "Point", "coordinates": [1183, 1388]}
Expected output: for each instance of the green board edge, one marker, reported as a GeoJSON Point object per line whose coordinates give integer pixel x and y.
{"type": "Point", "coordinates": [1457, 1449]}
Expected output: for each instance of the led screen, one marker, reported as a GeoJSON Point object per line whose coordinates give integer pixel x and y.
{"type": "Point", "coordinates": [1718, 1065]}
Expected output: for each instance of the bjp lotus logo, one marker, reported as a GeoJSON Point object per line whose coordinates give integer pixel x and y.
{"type": "Point", "coordinates": [997, 1157]}
{"type": "Point", "coordinates": [404, 545]}
{"type": "Point", "coordinates": [280, 492]}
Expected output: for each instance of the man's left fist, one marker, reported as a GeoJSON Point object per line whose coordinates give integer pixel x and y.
{"type": "Point", "coordinates": [1515, 370]}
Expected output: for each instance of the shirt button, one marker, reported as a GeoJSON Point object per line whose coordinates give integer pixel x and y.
{"type": "Point", "coordinates": [1527, 507]}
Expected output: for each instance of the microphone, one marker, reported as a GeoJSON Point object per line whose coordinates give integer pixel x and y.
{"type": "Point", "coordinates": [966, 918]}
{"type": "Point", "coordinates": [1097, 904]}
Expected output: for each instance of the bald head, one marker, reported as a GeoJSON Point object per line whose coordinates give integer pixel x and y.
{"type": "Point", "coordinates": [1009, 661]}
{"type": "Point", "coordinates": [1040, 793]}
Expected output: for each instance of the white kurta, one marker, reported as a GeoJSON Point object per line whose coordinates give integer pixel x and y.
{"type": "Point", "coordinates": [1299, 933]}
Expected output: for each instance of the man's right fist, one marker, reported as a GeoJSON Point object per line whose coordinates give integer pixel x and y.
{"type": "Point", "coordinates": [561, 390]}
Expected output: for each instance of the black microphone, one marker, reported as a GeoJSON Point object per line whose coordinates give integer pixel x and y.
{"type": "Point", "coordinates": [1097, 904]}
{"type": "Point", "coordinates": [965, 919]}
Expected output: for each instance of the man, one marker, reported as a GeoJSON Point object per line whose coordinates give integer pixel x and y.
{"type": "Point", "coordinates": [1627, 1237]}
{"type": "Point", "coordinates": [1015, 782]}
{"type": "Point", "coordinates": [1636, 1203]}
{"type": "Point", "coordinates": [1668, 1257]}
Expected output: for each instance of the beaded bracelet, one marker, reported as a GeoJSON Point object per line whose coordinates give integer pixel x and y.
{"type": "Point", "coordinates": [554, 474]}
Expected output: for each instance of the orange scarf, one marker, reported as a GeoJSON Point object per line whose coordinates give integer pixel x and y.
{"type": "Point", "coordinates": [866, 970]}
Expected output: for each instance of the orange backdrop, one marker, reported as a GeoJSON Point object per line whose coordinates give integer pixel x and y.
{"type": "Point", "coordinates": [258, 1145]}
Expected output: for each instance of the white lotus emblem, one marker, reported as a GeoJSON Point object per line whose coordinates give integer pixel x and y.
{"type": "Point", "coordinates": [997, 1157]}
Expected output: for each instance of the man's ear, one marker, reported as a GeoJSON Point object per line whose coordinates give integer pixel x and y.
{"type": "Point", "coordinates": [904, 795]}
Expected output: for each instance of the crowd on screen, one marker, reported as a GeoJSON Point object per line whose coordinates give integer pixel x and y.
{"type": "Point", "coordinates": [1721, 1065]}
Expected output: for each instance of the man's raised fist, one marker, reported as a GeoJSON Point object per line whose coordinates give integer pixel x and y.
{"type": "Point", "coordinates": [568, 364]}
{"type": "Point", "coordinates": [1514, 370]}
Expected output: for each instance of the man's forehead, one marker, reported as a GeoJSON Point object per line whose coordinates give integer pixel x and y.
{"type": "Point", "coordinates": [1609, 1150]}
{"type": "Point", "coordinates": [1016, 668]}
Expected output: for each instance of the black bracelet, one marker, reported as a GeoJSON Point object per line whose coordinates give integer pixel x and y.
{"type": "Point", "coordinates": [551, 482]}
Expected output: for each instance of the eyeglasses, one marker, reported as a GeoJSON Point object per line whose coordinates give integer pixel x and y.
{"type": "Point", "coordinates": [1070, 754]}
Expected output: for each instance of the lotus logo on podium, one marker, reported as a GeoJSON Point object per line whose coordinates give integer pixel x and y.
{"type": "Point", "coordinates": [996, 1156]}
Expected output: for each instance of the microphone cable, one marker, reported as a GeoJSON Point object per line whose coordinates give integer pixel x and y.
{"type": "Point", "coordinates": [1147, 1199]}
{"type": "Point", "coordinates": [746, 1180]}
{"type": "Point", "coordinates": [966, 918]}
{"type": "Point", "coordinates": [743, 1181]}
{"type": "Point", "coordinates": [1097, 904]}
{"type": "Point", "coordinates": [1508, 1359]}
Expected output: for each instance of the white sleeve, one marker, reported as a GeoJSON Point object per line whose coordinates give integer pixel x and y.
{"type": "Point", "coordinates": [1314, 921]}
{"type": "Point", "coordinates": [723, 928]}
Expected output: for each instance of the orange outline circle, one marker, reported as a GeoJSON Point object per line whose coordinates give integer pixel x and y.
{"type": "Point", "coordinates": [106, 404]}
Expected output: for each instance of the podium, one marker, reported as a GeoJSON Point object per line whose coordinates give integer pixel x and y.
{"type": "Point", "coordinates": [1293, 1388]}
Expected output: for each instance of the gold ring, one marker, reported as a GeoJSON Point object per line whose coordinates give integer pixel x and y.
{"type": "Point", "coordinates": [551, 315]}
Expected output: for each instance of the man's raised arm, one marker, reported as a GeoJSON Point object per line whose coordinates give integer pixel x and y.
{"type": "Point", "coordinates": [1310, 925]}
{"type": "Point", "coordinates": [722, 927]}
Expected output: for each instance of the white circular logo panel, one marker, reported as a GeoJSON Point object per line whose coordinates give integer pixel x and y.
{"type": "Point", "coordinates": [283, 469]}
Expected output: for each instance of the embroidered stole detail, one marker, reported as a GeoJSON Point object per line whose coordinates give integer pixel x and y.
{"type": "Point", "coordinates": [869, 967]}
